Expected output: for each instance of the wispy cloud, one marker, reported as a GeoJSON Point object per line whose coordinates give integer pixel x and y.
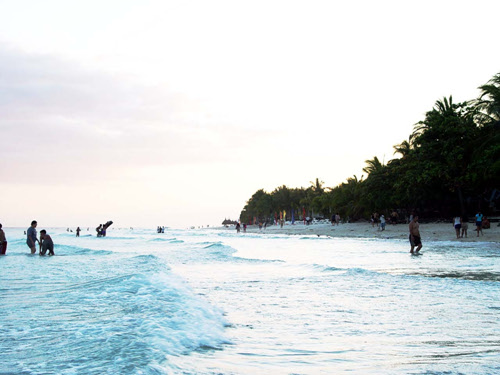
{"type": "Point", "coordinates": [57, 115]}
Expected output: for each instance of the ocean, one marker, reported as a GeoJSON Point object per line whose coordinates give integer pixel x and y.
{"type": "Point", "coordinates": [217, 302]}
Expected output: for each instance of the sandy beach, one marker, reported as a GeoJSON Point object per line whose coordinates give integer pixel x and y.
{"type": "Point", "coordinates": [428, 231]}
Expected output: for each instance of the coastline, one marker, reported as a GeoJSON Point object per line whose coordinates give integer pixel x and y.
{"type": "Point", "coordinates": [428, 231]}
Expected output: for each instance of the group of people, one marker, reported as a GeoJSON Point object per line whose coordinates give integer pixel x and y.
{"type": "Point", "coordinates": [101, 231]}
{"type": "Point", "coordinates": [160, 229]}
{"type": "Point", "coordinates": [45, 241]}
{"type": "Point", "coordinates": [46, 245]}
{"type": "Point", "coordinates": [461, 224]}
{"type": "Point", "coordinates": [335, 220]}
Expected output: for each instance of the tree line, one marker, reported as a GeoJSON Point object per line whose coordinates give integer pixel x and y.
{"type": "Point", "coordinates": [450, 165]}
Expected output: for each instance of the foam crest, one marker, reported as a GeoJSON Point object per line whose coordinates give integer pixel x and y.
{"type": "Point", "coordinates": [109, 324]}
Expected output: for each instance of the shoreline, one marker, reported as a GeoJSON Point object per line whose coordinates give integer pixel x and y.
{"type": "Point", "coordinates": [428, 231]}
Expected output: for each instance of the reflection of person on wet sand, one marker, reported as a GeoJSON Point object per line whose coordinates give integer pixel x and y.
{"type": "Point", "coordinates": [415, 235]}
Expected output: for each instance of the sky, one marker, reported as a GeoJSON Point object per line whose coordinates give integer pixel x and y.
{"type": "Point", "coordinates": [175, 112]}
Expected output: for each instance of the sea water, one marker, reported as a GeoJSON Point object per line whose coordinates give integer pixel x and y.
{"type": "Point", "coordinates": [217, 302]}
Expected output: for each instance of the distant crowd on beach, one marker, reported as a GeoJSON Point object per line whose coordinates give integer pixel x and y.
{"type": "Point", "coordinates": [160, 229]}
{"type": "Point", "coordinates": [460, 224]}
{"type": "Point", "coordinates": [380, 221]}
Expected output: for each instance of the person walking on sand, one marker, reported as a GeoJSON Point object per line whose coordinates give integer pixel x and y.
{"type": "Point", "coordinates": [47, 243]}
{"type": "Point", "coordinates": [3, 242]}
{"type": "Point", "coordinates": [457, 223]}
{"type": "Point", "coordinates": [465, 226]}
{"type": "Point", "coordinates": [31, 237]}
{"type": "Point", "coordinates": [415, 235]}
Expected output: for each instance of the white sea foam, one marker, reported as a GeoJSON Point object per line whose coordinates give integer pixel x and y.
{"type": "Point", "coordinates": [205, 302]}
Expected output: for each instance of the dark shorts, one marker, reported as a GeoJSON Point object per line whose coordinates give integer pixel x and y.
{"type": "Point", "coordinates": [479, 223]}
{"type": "Point", "coordinates": [416, 241]}
{"type": "Point", "coordinates": [458, 226]}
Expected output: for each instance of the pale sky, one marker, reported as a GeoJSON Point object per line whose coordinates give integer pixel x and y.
{"type": "Point", "coordinates": [175, 112]}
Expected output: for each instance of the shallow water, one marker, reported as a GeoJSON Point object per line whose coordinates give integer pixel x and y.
{"type": "Point", "coordinates": [213, 302]}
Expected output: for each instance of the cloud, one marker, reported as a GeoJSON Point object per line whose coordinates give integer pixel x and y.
{"type": "Point", "coordinates": [57, 118]}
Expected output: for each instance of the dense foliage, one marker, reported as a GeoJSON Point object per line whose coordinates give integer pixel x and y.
{"type": "Point", "coordinates": [449, 165]}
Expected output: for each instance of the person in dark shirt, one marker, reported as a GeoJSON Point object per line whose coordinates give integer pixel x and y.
{"type": "Point", "coordinates": [32, 240]}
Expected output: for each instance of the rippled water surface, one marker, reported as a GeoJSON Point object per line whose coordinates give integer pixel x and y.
{"type": "Point", "coordinates": [213, 302]}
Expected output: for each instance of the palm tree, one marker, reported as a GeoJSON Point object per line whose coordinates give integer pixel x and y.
{"type": "Point", "coordinates": [317, 186]}
{"type": "Point", "coordinates": [373, 165]}
{"type": "Point", "coordinates": [442, 108]}
{"type": "Point", "coordinates": [488, 103]}
{"type": "Point", "coordinates": [445, 105]}
{"type": "Point", "coordinates": [403, 148]}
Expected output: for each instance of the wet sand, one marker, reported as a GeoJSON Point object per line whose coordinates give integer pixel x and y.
{"type": "Point", "coordinates": [428, 231]}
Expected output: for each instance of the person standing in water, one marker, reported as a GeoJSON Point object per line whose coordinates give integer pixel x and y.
{"type": "Point", "coordinates": [31, 237]}
{"type": "Point", "coordinates": [78, 230]}
{"type": "Point", "coordinates": [415, 235]}
{"type": "Point", "coordinates": [47, 243]}
{"type": "Point", "coordinates": [3, 242]}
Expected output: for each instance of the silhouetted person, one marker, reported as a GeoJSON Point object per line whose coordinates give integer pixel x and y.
{"type": "Point", "coordinates": [47, 243]}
